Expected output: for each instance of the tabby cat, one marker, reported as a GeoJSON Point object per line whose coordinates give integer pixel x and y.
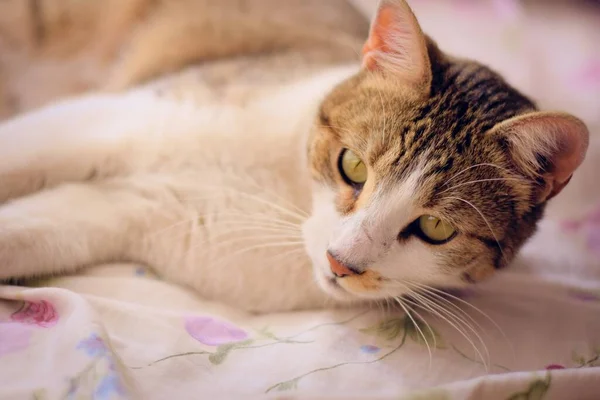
{"type": "Point", "coordinates": [350, 184]}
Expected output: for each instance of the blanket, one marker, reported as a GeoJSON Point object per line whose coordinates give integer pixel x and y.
{"type": "Point", "coordinates": [118, 331]}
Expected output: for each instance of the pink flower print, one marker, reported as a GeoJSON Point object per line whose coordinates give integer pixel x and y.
{"type": "Point", "coordinates": [592, 219]}
{"type": "Point", "coordinates": [507, 10]}
{"type": "Point", "coordinates": [593, 239]}
{"type": "Point", "coordinates": [554, 366]}
{"type": "Point", "coordinates": [589, 75]}
{"type": "Point", "coordinates": [212, 332]}
{"type": "Point", "coordinates": [39, 313]}
{"type": "Point", "coordinates": [584, 295]}
{"type": "Point", "coordinates": [588, 226]}
{"type": "Point", "coordinates": [13, 337]}
{"type": "Point", "coordinates": [571, 225]}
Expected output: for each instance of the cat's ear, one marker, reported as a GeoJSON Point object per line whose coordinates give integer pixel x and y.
{"type": "Point", "coordinates": [396, 45]}
{"type": "Point", "coordinates": [547, 144]}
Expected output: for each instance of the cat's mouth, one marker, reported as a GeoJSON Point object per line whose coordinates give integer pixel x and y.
{"type": "Point", "coordinates": [351, 288]}
{"type": "Point", "coordinates": [332, 287]}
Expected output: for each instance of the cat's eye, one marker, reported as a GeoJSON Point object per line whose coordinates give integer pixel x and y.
{"type": "Point", "coordinates": [352, 168]}
{"type": "Point", "coordinates": [434, 230]}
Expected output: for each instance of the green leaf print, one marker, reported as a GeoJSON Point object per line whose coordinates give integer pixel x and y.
{"type": "Point", "coordinates": [266, 333]}
{"type": "Point", "coordinates": [593, 360]}
{"type": "Point", "coordinates": [416, 329]}
{"type": "Point", "coordinates": [424, 334]}
{"type": "Point", "coordinates": [287, 385]}
{"type": "Point", "coordinates": [428, 394]}
{"type": "Point", "coordinates": [577, 358]}
{"type": "Point", "coordinates": [536, 390]}
{"type": "Point", "coordinates": [223, 350]}
{"type": "Point", "coordinates": [388, 329]}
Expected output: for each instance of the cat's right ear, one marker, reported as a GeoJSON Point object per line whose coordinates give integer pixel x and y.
{"type": "Point", "coordinates": [396, 45]}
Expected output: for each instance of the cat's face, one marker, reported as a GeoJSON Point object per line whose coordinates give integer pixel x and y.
{"type": "Point", "coordinates": [427, 170]}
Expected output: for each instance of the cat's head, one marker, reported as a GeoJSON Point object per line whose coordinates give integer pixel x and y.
{"type": "Point", "coordinates": [427, 170]}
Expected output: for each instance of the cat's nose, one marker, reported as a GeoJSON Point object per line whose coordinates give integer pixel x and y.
{"type": "Point", "coordinates": [339, 269]}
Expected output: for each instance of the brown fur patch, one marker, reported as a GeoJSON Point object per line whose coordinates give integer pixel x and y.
{"type": "Point", "coordinates": [369, 281]}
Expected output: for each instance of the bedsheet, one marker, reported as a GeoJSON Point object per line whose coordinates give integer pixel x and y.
{"type": "Point", "coordinates": [119, 332]}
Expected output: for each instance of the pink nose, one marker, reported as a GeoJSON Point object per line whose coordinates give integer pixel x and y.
{"type": "Point", "coordinates": [339, 269]}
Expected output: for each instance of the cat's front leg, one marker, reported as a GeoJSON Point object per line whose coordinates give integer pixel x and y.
{"type": "Point", "coordinates": [71, 226]}
{"type": "Point", "coordinates": [86, 138]}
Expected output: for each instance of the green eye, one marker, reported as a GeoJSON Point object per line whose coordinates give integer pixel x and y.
{"type": "Point", "coordinates": [434, 230]}
{"type": "Point", "coordinates": [352, 168]}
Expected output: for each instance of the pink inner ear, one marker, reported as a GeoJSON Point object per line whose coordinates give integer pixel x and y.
{"type": "Point", "coordinates": [561, 138]}
{"type": "Point", "coordinates": [571, 146]}
{"type": "Point", "coordinates": [397, 47]}
{"type": "Point", "coordinates": [383, 24]}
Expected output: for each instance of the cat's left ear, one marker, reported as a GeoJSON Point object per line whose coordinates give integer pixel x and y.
{"type": "Point", "coordinates": [547, 144]}
{"type": "Point", "coordinates": [396, 45]}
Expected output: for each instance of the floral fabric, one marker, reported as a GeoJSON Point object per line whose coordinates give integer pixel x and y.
{"type": "Point", "coordinates": [533, 332]}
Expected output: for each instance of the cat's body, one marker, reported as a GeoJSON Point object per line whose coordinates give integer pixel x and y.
{"type": "Point", "coordinates": [214, 190]}
{"type": "Point", "coordinates": [185, 189]}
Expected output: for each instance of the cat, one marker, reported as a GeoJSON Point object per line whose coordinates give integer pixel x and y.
{"type": "Point", "coordinates": [358, 183]}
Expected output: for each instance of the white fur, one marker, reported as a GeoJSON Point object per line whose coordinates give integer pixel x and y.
{"type": "Point", "coordinates": [368, 239]}
{"type": "Point", "coordinates": [193, 192]}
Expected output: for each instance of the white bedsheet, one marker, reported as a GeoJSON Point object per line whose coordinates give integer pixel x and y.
{"type": "Point", "coordinates": [119, 332]}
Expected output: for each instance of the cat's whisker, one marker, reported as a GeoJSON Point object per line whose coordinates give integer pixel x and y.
{"type": "Point", "coordinates": [441, 293]}
{"type": "Point", "coordinates": [475, 166]}
{"type": "Point", "coordinates": [291, 255]}
{"type": "Point", "coordinates": [383, 111]}
{"type": "Point", "coordinates": [253, 229]}
{"type": "Point", "coordinates": [456, 317]}
{"type": "Point", "coordinates": [436, 293]}
{"type": "Point", "coordinates": [248, 196]}
{"type": "Point", "coordinates": [484, 180]}
{"type": "Point", "coordinates": [431, 331]}
{"type": "Point", "coordinates": [244, 250]}
{"type": "Point", "coordinates": [250, 220]}
{"type": "Point", "coordinates": [417, 327]}
{"type": "Point", "coordinates": [337, 128]}
{"type": "Point", "coordinates": [243, 222]}
{"type": "Point", "coordinates": [299, 251]}
{"type": "Point", "coordinates": [233, 225]}
{"type": "Point", "coordinates": [385, 308]}
{"type": "Point", "coordinates": [439, 312]}
{"type": "Point", "coordinates": [417, 297]}
{"type": "Point", "coordinates": [458, 320]}
{"type": "Point", "coordinates": [255, 217]}
{"type": "Point", "coordinates": [265, 223]}
{"type": "Point", "coordinates": [247, 177]}
{"type": "Point", "coordinates": [423, 290]}
{"type": "Point", "coordinates": [251, 238]}
{"type": "Point", "coordinates": [485, 220]}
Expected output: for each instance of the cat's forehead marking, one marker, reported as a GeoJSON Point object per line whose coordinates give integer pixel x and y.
{"type": "Point", "coordinates": [395, 199]}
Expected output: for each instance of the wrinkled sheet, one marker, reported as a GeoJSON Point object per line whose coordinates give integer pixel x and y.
{"type": "Point", "coordinates": [119, 332]}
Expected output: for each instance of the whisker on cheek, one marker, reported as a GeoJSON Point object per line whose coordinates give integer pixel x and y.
{"type": "Point", "coordinates": [417, 327]}
{"type": "Point", "coordinates": [439, 294]}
